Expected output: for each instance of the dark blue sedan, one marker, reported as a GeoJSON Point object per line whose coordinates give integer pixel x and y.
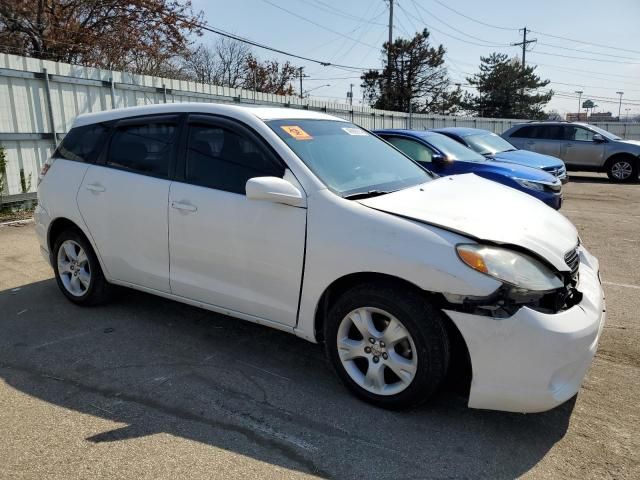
{"type": "Point", "coordinates": [445, 156]}
{"type": "Point", "coordinates": [494, 146]}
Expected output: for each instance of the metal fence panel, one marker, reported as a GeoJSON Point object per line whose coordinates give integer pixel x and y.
{"type": "Point", "coordinates": [25, 126]}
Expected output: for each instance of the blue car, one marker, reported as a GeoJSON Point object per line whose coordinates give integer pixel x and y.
{"type": "Point", "coordinates": [444, 156]}
{"type": "Point", "coordinates": [494, 146]}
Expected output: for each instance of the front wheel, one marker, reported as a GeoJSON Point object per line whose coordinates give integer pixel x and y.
{"type": "Point", "coordinates": [388, 345]}
{"type": "Point", "coordinates": [623, 170]}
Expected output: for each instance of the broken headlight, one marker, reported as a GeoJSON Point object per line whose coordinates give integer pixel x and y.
{"type": "Point", "coordinates": [511, 267]}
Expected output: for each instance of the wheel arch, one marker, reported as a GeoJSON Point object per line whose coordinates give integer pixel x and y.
{"type": "Point", "coordinates": [618, 156]}
{"type": "Point", "coordinates": [460, 368]}
{"type": "Point", "coordinates": [59, 225]}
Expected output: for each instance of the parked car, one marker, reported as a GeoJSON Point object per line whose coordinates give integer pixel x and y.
{"type": "Point", "coordinates": [306, 223]}
{"type": "Point", "coordinates": [581, 146]}
{"type": "Point", "coordinates": [493, 146]}
{"type": "Point", "coordinates": [445, 156]}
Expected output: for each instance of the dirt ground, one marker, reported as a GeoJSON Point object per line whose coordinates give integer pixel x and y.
{"type": "Point", "coordinates": [149, 388]}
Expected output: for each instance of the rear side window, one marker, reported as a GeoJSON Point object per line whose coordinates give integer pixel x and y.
{"type": "Point", "coordinates": [143, 148]}
{"type": "Point", "coordinates": [551, 132]}
{"type": "Point", "coordinates": [83, 144]}
{"type": "Point", "coordinates": [223, 159]}
{"type": "Point", "coordinates": [524, 132]}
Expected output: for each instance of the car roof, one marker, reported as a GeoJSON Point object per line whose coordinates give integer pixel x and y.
{"type": "Point", "coordinates": [405, 131]}
{"type": "Point", "coordinates": [461, 131]}
{"type": "Point", "coordinates": [238, 111]}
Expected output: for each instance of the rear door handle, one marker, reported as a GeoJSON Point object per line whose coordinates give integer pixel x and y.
{"type": "Point", "coordinates": [185, 207]}
{"type": "Point", "coordinates": [95, 187]}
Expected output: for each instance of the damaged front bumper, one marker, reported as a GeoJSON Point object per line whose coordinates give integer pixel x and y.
{"type": "Point", "coordinates": [533, 361]}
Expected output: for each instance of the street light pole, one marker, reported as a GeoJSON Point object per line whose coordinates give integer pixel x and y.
{"type": "Point", "coordinates": [620, 104]}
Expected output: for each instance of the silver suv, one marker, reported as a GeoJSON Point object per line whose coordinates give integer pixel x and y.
{"type": "Point", "coordinates": [581, 146]}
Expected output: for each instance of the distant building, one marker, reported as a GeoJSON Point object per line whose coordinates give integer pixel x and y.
{"type": "Point", "coordinates": [603, 117]}
{"type": "Point", "coordinates": [576, 117]}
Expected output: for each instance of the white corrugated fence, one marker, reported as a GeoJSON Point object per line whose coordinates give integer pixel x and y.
{"type": "Point", "coordinates": [38, 94]}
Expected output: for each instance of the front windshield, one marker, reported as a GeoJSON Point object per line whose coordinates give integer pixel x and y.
{"type": "Point", "coordinates": [488, 143]}
{"type": "Point", "coordinates": [604, 133]}
{"type": "Point", "coordinates": [348, 159]}
{"type": "Point", "coordinates": [452, 149]}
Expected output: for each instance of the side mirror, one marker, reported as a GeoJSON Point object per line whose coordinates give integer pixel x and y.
{"type": "Point", "coordinates": [597, 138]}
{"type": "Point", "coordinates": [274, 189]}
{"type": "Point", "coordinates": [438, 158]}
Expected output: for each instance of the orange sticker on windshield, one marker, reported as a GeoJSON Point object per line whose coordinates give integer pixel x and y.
{"type": "Point", "coordinates": [297, 132]}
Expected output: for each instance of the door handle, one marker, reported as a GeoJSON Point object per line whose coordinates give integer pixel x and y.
{"type": "Point", "coordinates": [95, 187]}
{"type": "Point", "coordinates": [184, 207]}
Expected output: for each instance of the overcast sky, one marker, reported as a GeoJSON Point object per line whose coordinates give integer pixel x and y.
{"type": "Point", "coordinates": [352, 32]}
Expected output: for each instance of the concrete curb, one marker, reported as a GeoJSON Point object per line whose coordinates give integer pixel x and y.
{"type": "Point", "coordinates": [16, 222]}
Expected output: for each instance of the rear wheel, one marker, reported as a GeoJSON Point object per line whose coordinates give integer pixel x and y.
{"type": "Point", "coordinates": [623, 169]}
{"type": "Point", "coordinates": [77, 270]}
{"type": "Point", "coordinates": [387, 345]}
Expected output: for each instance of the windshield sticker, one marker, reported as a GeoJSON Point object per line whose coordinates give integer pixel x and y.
{"type": "Point", "coordinates": [355, 131]}
{"type": "Point", "coordinates": [297, 132]}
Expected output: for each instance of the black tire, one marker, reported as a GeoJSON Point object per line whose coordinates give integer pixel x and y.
{"type": "Point", "coordinates": [424, 323]}
{"type": "Point", "coordinates": [616, 162]}
{"type": "Point", "coordinates": [98, 290]}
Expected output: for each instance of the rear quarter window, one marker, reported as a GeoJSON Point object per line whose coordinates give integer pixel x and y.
{"type": "Point", "coordinates": [83, 144]}
{"type": "Point", "coordinates": [523, 132]}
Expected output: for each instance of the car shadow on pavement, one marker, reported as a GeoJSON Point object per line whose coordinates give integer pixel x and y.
{"type": "Point", "coordinates": [591, 178]}
{"type": "Point", "coordinates": [162, 367]}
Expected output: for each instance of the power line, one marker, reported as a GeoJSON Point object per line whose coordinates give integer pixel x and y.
{"type": "Point", "coordinates": [277, 50]}
{"type": "Point", "coordinates": [340, 13]}
{"type": "Point", "coordinates": [582, 51]}
{"type": "Point", "coordinates": [538, 52]}
{"type": "Point", "coordinates": [415, 4]}
{"type": "Point", "coordinates": [431, 27]}
{"type": "Point", "coordinates": [319, 25]}
{"type": "Point", "coordinates": [473, 19]}
{"type": "Point", "coordinates": [583, 42]}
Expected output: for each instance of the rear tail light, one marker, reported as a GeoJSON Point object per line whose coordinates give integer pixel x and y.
{"type": "Point", "coordinates": [45, 168]}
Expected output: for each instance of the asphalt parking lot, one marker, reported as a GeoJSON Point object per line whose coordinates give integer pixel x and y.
{"type": "Point", "coordinates": [149, 388]}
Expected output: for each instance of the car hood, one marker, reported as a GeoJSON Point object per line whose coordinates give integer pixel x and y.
{"type": "Point", "coordinates": [509, 169]}
{"type": "Point", "coordinates": [531, 159]}
{"type": "Point", "coordinates": [635, 143]}
{"type": "Point", "coordinates": [484, 210]}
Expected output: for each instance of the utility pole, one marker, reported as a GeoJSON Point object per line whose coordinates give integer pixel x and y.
{"type": "Point", "coordinates": [579, 92]}
{"type": "Point", "coordinates": [620, 104]}
{"type": "Point", "coordinates": [301, 93]}
{"type": "Point", "coordinates": [350, 95]}
{"type": "Point", "coordinates": [524, 44]}
{"type": "Point", "coordinates": [389, 48]}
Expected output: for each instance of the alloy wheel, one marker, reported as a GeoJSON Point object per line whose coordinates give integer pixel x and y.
{"type": "Point", "coordinates": [377, 351]}
{"type": "Point", "coordinates": [73, 268]}
{"type": "Point", "coordinates": [621, 170]}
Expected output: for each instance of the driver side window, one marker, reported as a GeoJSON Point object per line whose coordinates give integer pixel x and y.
{"type": "Point", "coordinates": [412, 148]}
{"type": "Point", "coordinates": [580, 134]}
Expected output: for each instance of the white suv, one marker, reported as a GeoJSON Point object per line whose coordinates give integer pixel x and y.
{"type": "Point", "coordinates": [307, 223]}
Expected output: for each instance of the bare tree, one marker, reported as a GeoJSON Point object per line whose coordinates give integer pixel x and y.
{"type": "Point", "coordinates": [144, 36]}
{"type": "Point", "coordinates": [232, 56]}
{"type": "Point", "coordinates": [202, 65]}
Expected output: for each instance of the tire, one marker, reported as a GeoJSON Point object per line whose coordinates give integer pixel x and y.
{"type": "Point", "coordinates": [412, 369]}
{"type": "Point", "coordinates": [77, 270]}
{"type": "Point", "coordinates": [623, 169]}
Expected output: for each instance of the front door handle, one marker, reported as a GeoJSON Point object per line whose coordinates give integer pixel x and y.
{"type": "Point", "coordinates": [95, 187]}
{"type": "Point", "coordinates": [184, 207]}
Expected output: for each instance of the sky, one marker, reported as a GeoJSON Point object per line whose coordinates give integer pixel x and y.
{"type": "Point", "coordinates": [351, 33]}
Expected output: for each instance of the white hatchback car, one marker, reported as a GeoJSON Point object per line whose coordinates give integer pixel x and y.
{"type": "Point", "coordinates": [307, 223]}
